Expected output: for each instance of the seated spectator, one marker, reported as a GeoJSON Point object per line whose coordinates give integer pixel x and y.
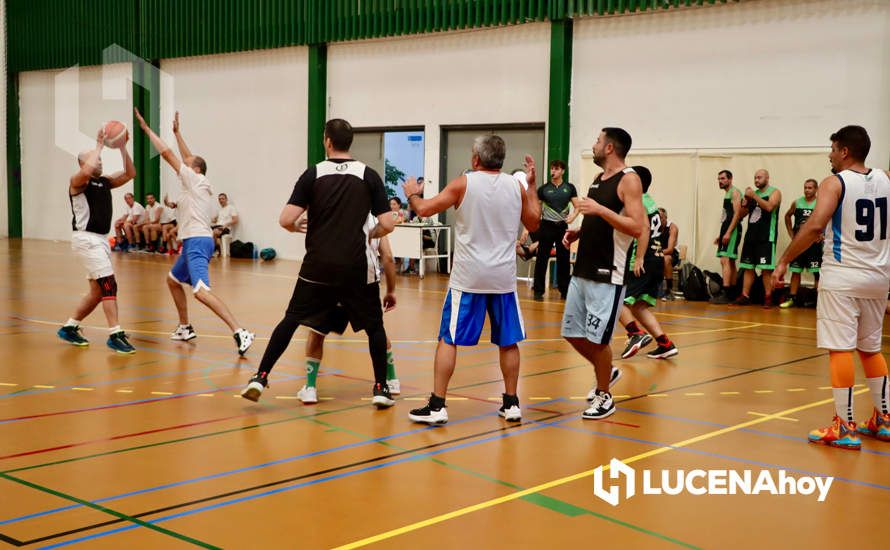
{"type": "Point", "coordinates": [124, 227]}
{"type": "Point", "coordinates": [527, 245]}
{"type": "Point", "coordinates": [151, 226]}
{"type": "Point", "coordinates": [170, 230]}
{"type": "Point", "coordinates": [226, 219]}
{"type": "Point", "coordinates": [398, 214]}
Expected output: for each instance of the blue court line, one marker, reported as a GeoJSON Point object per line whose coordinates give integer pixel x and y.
{"type": "Point", "coordinates": [254, 467]}
{"type": "Point", "coordinates": [747, 430]}
{"type": "Point", "coordinates": [333, 477]}
{"type": "Point", "coordinates": [727, 457]}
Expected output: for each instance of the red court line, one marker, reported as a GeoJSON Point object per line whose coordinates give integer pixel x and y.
{"type": "Point", "coordinates": [125, 436]}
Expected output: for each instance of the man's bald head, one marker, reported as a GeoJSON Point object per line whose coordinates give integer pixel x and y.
{"type": "Point", "coordinates": [761, 178]}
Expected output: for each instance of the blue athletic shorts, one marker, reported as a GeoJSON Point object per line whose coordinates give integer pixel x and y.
{"type": "Point", "coordinates": [191, 266]}
{"type": "Point", "coordinates": [463, 316]}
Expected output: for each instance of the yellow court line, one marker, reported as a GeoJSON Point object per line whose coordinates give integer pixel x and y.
{"type": "Point", "coordinates": [581, 475]}
{"type": "Point", "coordinates": [763, 391]}
{"type": "Point", "coordinates": [694, 394]}
{"type": "Point", "coordinates": [83, 389]}
{"type": "Point", "coordinates": [730, 393]}
{"type": "Point", "coordinates": [205, 395]}
{"type": "Point", "coordinates": [162, 393]}
{"type": "Point", "coordinates": [124, 391]}
{"type": "Point", "coordinates": [796, 389]}
{"type": "Point", "coordinates": [8, 384]}
{"type": "Point", "coordinates": [777, 418]}
{"type": "Point", "coordinates": [658, 395]}
{"type": "Point", "coordinates": [43, 387]}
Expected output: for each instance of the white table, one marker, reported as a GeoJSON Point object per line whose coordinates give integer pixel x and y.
{"type": "Point", "coordinates": [406, 241]}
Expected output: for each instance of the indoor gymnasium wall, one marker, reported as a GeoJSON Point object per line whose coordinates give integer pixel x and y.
{"type": "Point", "coordinates": [246, 115]}
{"type": "Point", "coordinates": [745, 79]}
{"type": "Point", "coordinates": [4, 211]}
{"type": "Point", "coordinates": [47, 168]}
{"type": "Point", "coordinates": [492, 76]}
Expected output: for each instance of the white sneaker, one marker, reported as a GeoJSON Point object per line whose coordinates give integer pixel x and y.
{"type": "Point", "coordinates": [308, 395]}
{"type": "Point", "coordinates": [425, 415]}
{"type": "Point", "coordinates": [183, 333]}
{"type": "Point", "coordinates": [601, 407]}
{"type": "Point", "coordinates": [616, 375]}
{"type": "Point", "coordinates": [244, 339]}
{"type": "Point", "coordinates": [395, 388]}
{"type": "Point", "coordinates": [254, 388]}
{"type": "Point", "coordinates": [511, 414]}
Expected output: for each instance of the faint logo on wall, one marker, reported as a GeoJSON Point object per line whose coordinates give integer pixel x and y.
{"type": "Point", "coordinates": [116, 86]}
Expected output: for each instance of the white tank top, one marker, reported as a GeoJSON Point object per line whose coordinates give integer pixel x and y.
{"type": "Point", "coordinates": [856, 252]}
{"type": "Point", "coordinates": [372, 251]}
{"type": "Point", "coordinates": [485, 234]}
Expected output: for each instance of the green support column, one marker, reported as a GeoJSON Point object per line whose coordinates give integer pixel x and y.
{"type": "Point", "coordinates": [560, 91]}
{"type": "Point", "coordinates": [13, 158]}
{"type": "Point", "coordinates": [318, 101]}
{"type": "Point", "coordinates": [146, 98]}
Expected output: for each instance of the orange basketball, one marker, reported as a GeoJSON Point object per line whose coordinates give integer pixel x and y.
{"type": "Point", "coordinates": [115, 134]}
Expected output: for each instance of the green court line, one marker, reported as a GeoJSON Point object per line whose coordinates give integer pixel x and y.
{"type": "Point", "coordinates": [109, 511]}
{"type": "Point", "coordinates": [550, 503]}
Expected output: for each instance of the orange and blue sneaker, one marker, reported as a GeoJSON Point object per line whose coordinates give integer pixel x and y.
{"type": "Point", "coordinates": [878, 426]}
{"type": "Point", "coordinates": [840, 434]}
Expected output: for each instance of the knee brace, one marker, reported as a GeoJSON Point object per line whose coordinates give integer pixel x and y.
{"type": "Point", "coordinates": [108, 287]}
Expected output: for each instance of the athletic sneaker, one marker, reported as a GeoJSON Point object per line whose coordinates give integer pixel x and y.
{"type": "Point", "coordinates": [635, 342]}
{"type": "Point", "coordinates": [243, 339]}
{"type": "Point", "coordinates": [119, 343]}
{"type": "Point", "coordinates": [183, 333]}
{"type": "Point", "coordinates": [308, 395]}
{"type": "Point", "coordinates": [742, 300]}
{"type": "Point", "coordinates": [255, 387]}
{"type": "Point", "coordinates": [663, 352]}
{"type": "Point", "coordinates": [510, 410]}
{"type": "Point", "coordinates": [72, 335]}
{"type": "Point", "coordinates": [616, 374]}
{"type": "Point", "coordinates": [601, 406]}
{"type": "Point", "coordinates": [840, 434]}
{"type": "Point", "coordinates": [382, 397]}
{"type": "Point", "coordinates": [768, 301]}
{"type": "Point", "coordinates": [395, 387]}
{"type": "Point", "coordinates": [721, 299]}
{"type": "Point", "coordinates": [538, 297]}
{"type": "Point", "coordinates": [787, 303]}
{"type": "Point", "coordinates": [878, 426]}
{"type": "Point", "coordinates": [426, 415]}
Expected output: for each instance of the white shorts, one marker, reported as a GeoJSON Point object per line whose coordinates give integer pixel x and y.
{"type": "Point", "coordinates": [847, 323]}
{"type": "Point", "coordinates": [93, 252]}
{"type": "Point", "coordinates": [591, 310]}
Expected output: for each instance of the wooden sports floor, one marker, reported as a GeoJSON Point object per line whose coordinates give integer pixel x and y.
{"type": "Point", "coordinates": [155, 450]}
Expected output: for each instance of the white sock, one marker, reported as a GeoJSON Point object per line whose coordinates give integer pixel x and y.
{"type": "Point", "coordinates": [843, 403]}
{"type": "Point", "coordinates": [72, 323]}
{"type": "Point", "coordinates": [114, 329]}
{"type": "Point", "coordinates": [880, 393]}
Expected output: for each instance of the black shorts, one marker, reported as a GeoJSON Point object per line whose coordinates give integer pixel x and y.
{"type": "Point", "coordinates": [731, 249]}
{"type": "Point", "coordinates": [758, 255]}
{"type": "Point", "coordinates": [809, 260]}
{"type": "Point", "coordinates": [645, 287]}
{"type": "Point", "coordinates": [326, 308]}
{"type": "Point", "coordinates": [225, 230]}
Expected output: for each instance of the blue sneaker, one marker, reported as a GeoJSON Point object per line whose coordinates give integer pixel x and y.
{"type": "Point", "coordinates": [73, 336]}
{"type": "Point", "coordinates": [119, 343]}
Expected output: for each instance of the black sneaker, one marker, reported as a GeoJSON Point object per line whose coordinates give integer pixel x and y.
{"type": "Point", "coordinates": [601, 406]}
{"type": "Point", "coordinates": [382, 397]}
{"type": "Point", "coordinates": [538, 297]}
{"type": "Point", "coordinates": [663, 352]}
{"type": "Point", "coordinates": [429, 415]}
{"type": "Point", "coordinates": [510, 409]}
{"type": "Point", "coordinates": [255, 387]}
{"type": "Point", "coordinates": [635, 342]}
{"type": "Point", "coordinates": [742, 300]}
{"type": "Point", "coordinates": [119, 343]}
{"type": "Point", "coordinates": [72, 335]}
{"type": "Point", "coordinates": [721, 299]}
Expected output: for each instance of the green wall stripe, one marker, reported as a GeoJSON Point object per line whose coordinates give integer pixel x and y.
{"type": "Point", "coordinates": [13, 158]}
{"type": "Point", "coordinates": [318, 101]}
{"type": "Point", "coordinates": [558, 123]}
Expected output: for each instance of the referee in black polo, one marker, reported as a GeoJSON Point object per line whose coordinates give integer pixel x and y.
{"type": "Point", "coordinates": [555, 197]}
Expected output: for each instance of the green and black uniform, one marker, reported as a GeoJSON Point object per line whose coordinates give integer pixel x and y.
{"type": "Point", "coordinates": [644, 288]}
{"type": "Point", "coordinates": [555, 203]}
{"type": "Point", "coordinates": [811, 258]}
{"type": "Point", "coordinates": [759, 250]}
{"type": "Point", "coordinates": [731, 249]}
